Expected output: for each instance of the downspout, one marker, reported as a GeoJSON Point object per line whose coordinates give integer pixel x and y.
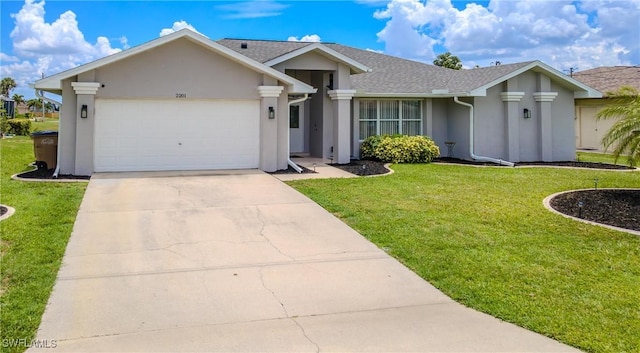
{"type": "Point", "coordinates": [289, 161]}
{"type": "Point", "coordinates": [471, 139]}
{"type": "Point", "coordinates": [41, 96]}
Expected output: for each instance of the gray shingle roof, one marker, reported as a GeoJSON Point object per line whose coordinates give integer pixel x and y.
{"type": "Point", "coordinates": [610, 78]}
{"type": "Point", "coordinates": [262, 50]}
{"type": "Point", "coordinates": [390, 75]}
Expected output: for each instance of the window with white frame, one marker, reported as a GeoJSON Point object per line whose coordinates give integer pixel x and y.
{"type": "Point", "coordinates": [390, 117]}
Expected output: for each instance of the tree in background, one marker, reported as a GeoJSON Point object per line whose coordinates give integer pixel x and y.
{"type": "Point", "coordinates": [34, 104]}
{"type": "Point", "coordinates": [448, 60]}
{"type": "Point", "coordinates": [6, 86]}
{"type": "Point", "coordinates": [18, 98]}
{"type": "Point", "coordinates": [624, 104]}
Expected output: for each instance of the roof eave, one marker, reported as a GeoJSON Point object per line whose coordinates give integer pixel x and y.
{"type": "Point", "coordinates": [362, 94]}
{"type": "Point", "coordinates": [354, 66]}
{"type": "Point", "coordinates": [580, 89]}
{"type": "Point", "coordinates": [54, 82]}
{"type": "Point", "coordinates": [587, 94]}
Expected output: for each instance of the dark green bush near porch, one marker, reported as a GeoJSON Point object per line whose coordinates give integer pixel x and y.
{"type": "Point", "coordinates": [20, 127]}
{"type": "Point", "coordinates": [399, 149]}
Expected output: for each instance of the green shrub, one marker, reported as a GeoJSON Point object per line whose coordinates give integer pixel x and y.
{"type": "Point", "coordinates": [4, 126]}
{"type": "Point", "coordinates": [19, 126]}
{"type": "Point", "coordinates": [400, 149]}
{"type": "Point", "coordinates": [369, 145]}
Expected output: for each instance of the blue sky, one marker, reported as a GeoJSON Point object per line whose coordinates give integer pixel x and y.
{"type": "Point", "coordinates": [50, 36]}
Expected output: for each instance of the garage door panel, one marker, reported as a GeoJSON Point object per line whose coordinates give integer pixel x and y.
{"type": "Point", "coordinates": [176, 135]}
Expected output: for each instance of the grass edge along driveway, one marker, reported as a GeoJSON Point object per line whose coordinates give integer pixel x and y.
{"type": "Point", "coordinates": [483, 237]}
{"type": "Point", "coordinates": [33, 242]}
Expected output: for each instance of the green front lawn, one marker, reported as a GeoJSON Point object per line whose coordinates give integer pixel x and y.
{"type": "Point", "coordinates": [600, 158]}
{"type": "Point", "coordinates": [47, 124]}
{"type": "Point", "coordinates": [32, 241]}
{"type": "Point", "coordinates": [483, 237]}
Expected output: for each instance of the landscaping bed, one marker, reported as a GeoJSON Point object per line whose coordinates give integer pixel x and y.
{"type": "Point", "coordinates": [618, 208]}
{"type": "Point", "coordinates": [48, 174]}
{"type": "Point", "coordinates": [290, 170]}
{"type": "Point", "coordinates": [363, 167]}
{"type": "Point", "coordinates": [574, 164]}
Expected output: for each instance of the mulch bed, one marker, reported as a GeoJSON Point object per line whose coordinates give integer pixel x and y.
{"type": "Point", "coordinates": [290, 170]}
{"type": "Point", "coordinates": [574, 164]}
{"type": "Point", "coordinates": [579, 165]}
{"type": "Point", "coordinates": [463, 161]}
{"type": "Point", "coordinates": [48, 174]}
{"type": "Point", "coordinates": [3, 210]}
{"type": "Point", "coordinates": [363, 167]}
{"type": "Point", "coordinates": [619, 208]}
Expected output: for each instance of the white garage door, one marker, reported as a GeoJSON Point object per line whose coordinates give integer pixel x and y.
{"type": "Point", "coordinates": [148, 135]}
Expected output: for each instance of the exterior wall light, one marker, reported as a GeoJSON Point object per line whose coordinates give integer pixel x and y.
{"type": "Point", "coordinates": [527, 113]}
{"type": "Point", "coordinates": [272, 113]}
{"type": "Point", "coordinates": [83, 111]}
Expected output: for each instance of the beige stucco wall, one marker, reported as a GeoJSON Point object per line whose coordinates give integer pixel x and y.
{"type": "Point", "coordinates": [563, 124]}
{"type": "Point", "coordinates": [67, 130]}
{"type": "Point", "coordinates": [178, 67]}
{"type": "Point", "coordinates": [308, 61]}
{"type": "Point", "coordinates": [160, 73]}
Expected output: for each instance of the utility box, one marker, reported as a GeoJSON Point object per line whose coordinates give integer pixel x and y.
{"type": "Point", "coordinates": [45, 148]}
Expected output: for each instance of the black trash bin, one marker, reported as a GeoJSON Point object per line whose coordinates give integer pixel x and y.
{"type": "Point", "coordinates": [45, 148]}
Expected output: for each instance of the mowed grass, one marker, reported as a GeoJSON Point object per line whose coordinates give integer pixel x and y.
{"type": "Point", "coordinates": [32, 241]}
{"type": "Point", "coordinates": [601, 158]}
{"type": "Point", "coordinates": [47, 124]}
{"type": "Point", "coordinates": [483, 237]}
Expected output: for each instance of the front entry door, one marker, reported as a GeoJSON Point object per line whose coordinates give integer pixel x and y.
{"type": "Point", "coordinates": [296, 128]}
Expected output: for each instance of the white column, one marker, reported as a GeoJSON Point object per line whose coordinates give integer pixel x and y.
{"type": "Point", "coordinates": [269, 138]}
{"type": "Point", "coordinates": [85, 127]}
{"type": "Point", "coordinates": [513, 115]}
{"type": "Point", "coordinates": [543, 100]}
{"type": "Point", "coordinates": [341, 118]}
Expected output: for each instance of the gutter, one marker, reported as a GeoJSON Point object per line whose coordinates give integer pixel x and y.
{"type": "Point", "coordinates": [289, 161]}
{"type": "Point", "coordinates": [471, 139]}
{"type": "Point", "coordinates": [41, 96]}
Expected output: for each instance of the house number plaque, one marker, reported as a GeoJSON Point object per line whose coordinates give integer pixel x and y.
{"type": "Point", "coordinates": [181, 95]}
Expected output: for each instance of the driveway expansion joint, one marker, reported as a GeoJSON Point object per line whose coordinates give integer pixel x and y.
{"type": "Point", "coordinates": [227, 267]}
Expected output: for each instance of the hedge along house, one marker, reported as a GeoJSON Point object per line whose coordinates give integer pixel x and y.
{"type": "Point", "coordinates": [185, 102]}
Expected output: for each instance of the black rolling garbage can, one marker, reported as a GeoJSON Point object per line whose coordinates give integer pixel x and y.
{"type": "Point", "coordinates": [45, 147]}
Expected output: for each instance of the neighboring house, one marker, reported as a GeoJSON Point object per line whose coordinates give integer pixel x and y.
{"type": "Point", "coordinates": [183, 102]}
{"type": "Point", "coordinates": [589, 131]}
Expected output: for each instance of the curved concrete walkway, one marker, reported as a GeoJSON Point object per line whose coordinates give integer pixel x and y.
{"type": "Point", "coordinates": [239, 262]}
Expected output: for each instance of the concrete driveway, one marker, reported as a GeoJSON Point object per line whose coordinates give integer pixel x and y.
{"type": "Point", "coordinates": [238, 261]}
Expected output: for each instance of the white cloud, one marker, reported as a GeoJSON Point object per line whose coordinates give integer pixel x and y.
{"type": "Point", "coordinates": [8, 58]}
{"type": "Point", "coordinates": [563, 33]}
{"type": "Point", "coordinates": [306, 38]}
{"type": "Point", "coordinates": [178, 25]}
{"type": "Point", "coordinates": [252, 9]}
{"type": "Point", "coordinates": [124, 42]}
{"type": "Point", "coordinates": [42, 47]}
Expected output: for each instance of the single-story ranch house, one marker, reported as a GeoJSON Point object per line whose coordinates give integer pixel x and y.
{"type": "Point", "coordinates": [185, 102]}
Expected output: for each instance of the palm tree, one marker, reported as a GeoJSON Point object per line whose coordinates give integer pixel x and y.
{"type": "Point", "coordinates": [18, 98]}
{"type": "Point", "coordinates": [34, 104]}
{"type": "Point", "coordinates": [6, 86]}
{"type": "Point", "coordinates": [624, 104]}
